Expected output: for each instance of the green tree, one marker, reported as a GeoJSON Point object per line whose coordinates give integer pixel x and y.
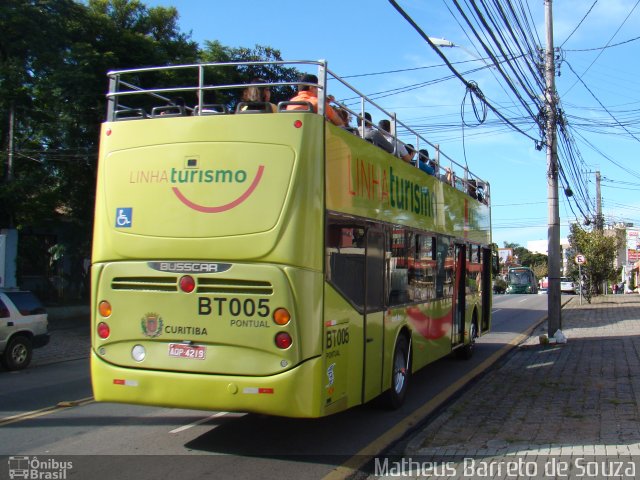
{"type": "Point", "coordinates": [214, 51]}
{"type": "Point", "coordinates": [599, 251]}
{"type": "Point", "coordinates": [541, 270]}
{"type": "Point", "coordinates": [54, 55]}
{"type": "Point", "coordinates": [536, 261]}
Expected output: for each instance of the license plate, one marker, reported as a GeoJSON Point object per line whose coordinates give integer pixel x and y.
{"type": "Point", "coordinates": [180, 350]}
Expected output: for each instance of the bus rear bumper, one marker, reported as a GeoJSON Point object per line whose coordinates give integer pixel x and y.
{"type": "Point", "coordinates": [294, 393]}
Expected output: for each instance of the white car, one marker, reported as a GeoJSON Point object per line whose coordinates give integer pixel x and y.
{"type": "Point", "coordinates": [23, 327]}
{"type": "Point", "coordinates": [567, 286]}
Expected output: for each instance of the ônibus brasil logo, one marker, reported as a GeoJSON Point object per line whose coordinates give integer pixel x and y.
{"type": "Point", "coordinates": [191, 173]}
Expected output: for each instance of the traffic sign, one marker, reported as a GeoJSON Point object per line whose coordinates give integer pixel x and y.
{"type": "Point", "coordinates": [580, 259]}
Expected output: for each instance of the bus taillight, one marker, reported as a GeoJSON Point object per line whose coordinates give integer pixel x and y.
{"type": "Point", "coordinates": [104, 309]}
{"type": "Point", "coordinates": [103, 330]}
{"type": "Point", "coordinates": [187, 284]}
{"type": "Point", "coordinates": [283, 340]}
{"type": "Point", "coordinates": [281, 316]}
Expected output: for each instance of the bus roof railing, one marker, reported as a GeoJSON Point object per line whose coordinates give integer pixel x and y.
{"type": "Point", "coordinates": [122, 89]}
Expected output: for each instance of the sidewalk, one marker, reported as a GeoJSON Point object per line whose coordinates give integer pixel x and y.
{"type": "Point", "coordinates": [578, 399]}
{"type": "Point", "coordinates": [69, 336]}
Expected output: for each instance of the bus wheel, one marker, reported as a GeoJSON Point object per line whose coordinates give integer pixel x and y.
{"type": "Point", "coordinates": [400, 374]}
{"type": "Point", "coordinates": [466, 352]}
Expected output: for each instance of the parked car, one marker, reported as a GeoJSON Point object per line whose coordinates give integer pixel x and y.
{"type": "Point", "coordinates": [567, 285]}
{"type": "Point", "coordinates": [23, 327]}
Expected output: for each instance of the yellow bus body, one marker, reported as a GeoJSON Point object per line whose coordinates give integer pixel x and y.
{"type": "Point", "coordinates": [239, 204]}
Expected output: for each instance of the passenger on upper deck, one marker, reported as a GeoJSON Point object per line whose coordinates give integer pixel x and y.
{"type": "Point", "coordinates": [448, 176]}
{"type": "Point", "coordinates": [346, 120]}
{"type": "Point", "coordinates": [257, 94]}
{"type": "Point", "coordinates": [309, 93]}
{"type": "Point", "coordinates": [424, 163]}
{"type": "Point", "coordinates": [412, 151]}
{"type": "Point", "coordinates": [401, 150]}
{"type": "Point", "coordinates": [373, 135]}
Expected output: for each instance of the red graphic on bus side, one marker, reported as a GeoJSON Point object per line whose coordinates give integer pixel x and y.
{"type": "Point", "coordinates": [429, 327]}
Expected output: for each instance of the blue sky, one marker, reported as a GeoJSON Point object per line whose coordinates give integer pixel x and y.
{"type": "Point", "coordinates": [361, 37]}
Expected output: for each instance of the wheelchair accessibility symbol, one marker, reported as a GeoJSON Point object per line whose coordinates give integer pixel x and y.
{"type": "Point", "coordinates": [124, 217]}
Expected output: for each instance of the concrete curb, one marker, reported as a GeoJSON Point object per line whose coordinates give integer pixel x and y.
{"type": "Point", "coordinates": [413, 447]}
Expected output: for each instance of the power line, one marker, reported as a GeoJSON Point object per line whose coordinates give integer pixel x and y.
{"type": "Point", "coordinates": [579, 23]}
{"type": "Point", "coordinates": [607, 44]}
{"type": "Point", "coordinates": [603, 48]}
{"type": "Point", "coordinates": [455, 72]}
{"type": "Point", "coordinates": [600, 103]}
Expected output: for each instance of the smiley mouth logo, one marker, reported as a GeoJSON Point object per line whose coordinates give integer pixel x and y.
{"type": "Point", "coordinates": [227, 206]}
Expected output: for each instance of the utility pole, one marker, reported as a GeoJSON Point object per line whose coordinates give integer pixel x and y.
{"type": "Point", "coordinates": [553, 297]}
{"type": "Point", "coordinates": [599, 218]}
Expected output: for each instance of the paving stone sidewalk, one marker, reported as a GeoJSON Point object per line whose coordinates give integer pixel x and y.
{"type": "Point", "coordinates": [68, 340]}
{"type": "Point", "coordinates": [573, 400]}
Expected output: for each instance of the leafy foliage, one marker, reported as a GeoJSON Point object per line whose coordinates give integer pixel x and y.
{"type": "Point", "coordinates": [599, 250]}
{"type": "Point", "coordinates": [538, 262]}
{"type": "Point", "coordinates": [54, 56]}
{"type": "Point", "coordinates": [214, 51]}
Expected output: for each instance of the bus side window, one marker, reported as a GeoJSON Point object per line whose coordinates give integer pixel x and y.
{"type": "Point", "coordinates": [346, 261]}
{"type": "Point", "coordinates": [444, 267]}
{"type": "Point", "coordinates": [422, 269]}
{"type": "Point", "coordinates": [473, 269]}
{"type": "Point", "coordinates": [398, 271]}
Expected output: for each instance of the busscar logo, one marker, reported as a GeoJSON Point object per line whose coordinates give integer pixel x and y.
{"type": "Point", "coordinates": [189, 267]}
{"type": "Point", "coordinates": [151, 325]}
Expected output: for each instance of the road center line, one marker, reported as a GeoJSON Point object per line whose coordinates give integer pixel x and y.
{"type": "Point", "coordinates": [45, 411]}
{"type": "Point", "coordinates": [197, 422]}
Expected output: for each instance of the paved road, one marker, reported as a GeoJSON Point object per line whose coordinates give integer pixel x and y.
{"type": "Point", "coordinates": [559, 411]}
{"type": "Point", "coordinates": [251, 445]}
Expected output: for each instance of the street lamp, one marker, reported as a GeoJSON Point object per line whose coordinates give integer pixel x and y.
{"type": "Point", "coordinates": [443, 42]}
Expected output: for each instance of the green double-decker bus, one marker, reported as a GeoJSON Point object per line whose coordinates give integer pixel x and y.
{"type": "Point", "coordinates": [269, 261]}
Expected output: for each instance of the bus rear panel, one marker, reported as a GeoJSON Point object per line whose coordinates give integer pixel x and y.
{"type": "Point", "coordinates": [199, 264]}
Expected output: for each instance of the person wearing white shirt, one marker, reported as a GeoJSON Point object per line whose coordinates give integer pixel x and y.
{"type": "Point", "coordinates": [401, 149]}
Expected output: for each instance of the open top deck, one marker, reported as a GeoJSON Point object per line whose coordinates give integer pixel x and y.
{"type": "Point", "coordinates": [215, 89]}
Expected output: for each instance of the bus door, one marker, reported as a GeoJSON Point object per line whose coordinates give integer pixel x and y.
{"type": "Point", "coordinates": [373, 315]}
{"type": "Point", "coordinates": [486, 290]}
{"type": "Point", "coordinates": [459, 295]}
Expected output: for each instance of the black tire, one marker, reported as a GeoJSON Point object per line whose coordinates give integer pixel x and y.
{"type": "Point", "coordinates": [18, 353]}
{"type": "Point", "coordinates": [400, 374]}
{"type": "Point", "coordinates": [466, 352]}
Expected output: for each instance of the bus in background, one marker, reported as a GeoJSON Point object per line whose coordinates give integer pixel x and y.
{"type": "Point", "coordinates": [521, 280]}
{"type": "Point", "coordinates": [273, 262]}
